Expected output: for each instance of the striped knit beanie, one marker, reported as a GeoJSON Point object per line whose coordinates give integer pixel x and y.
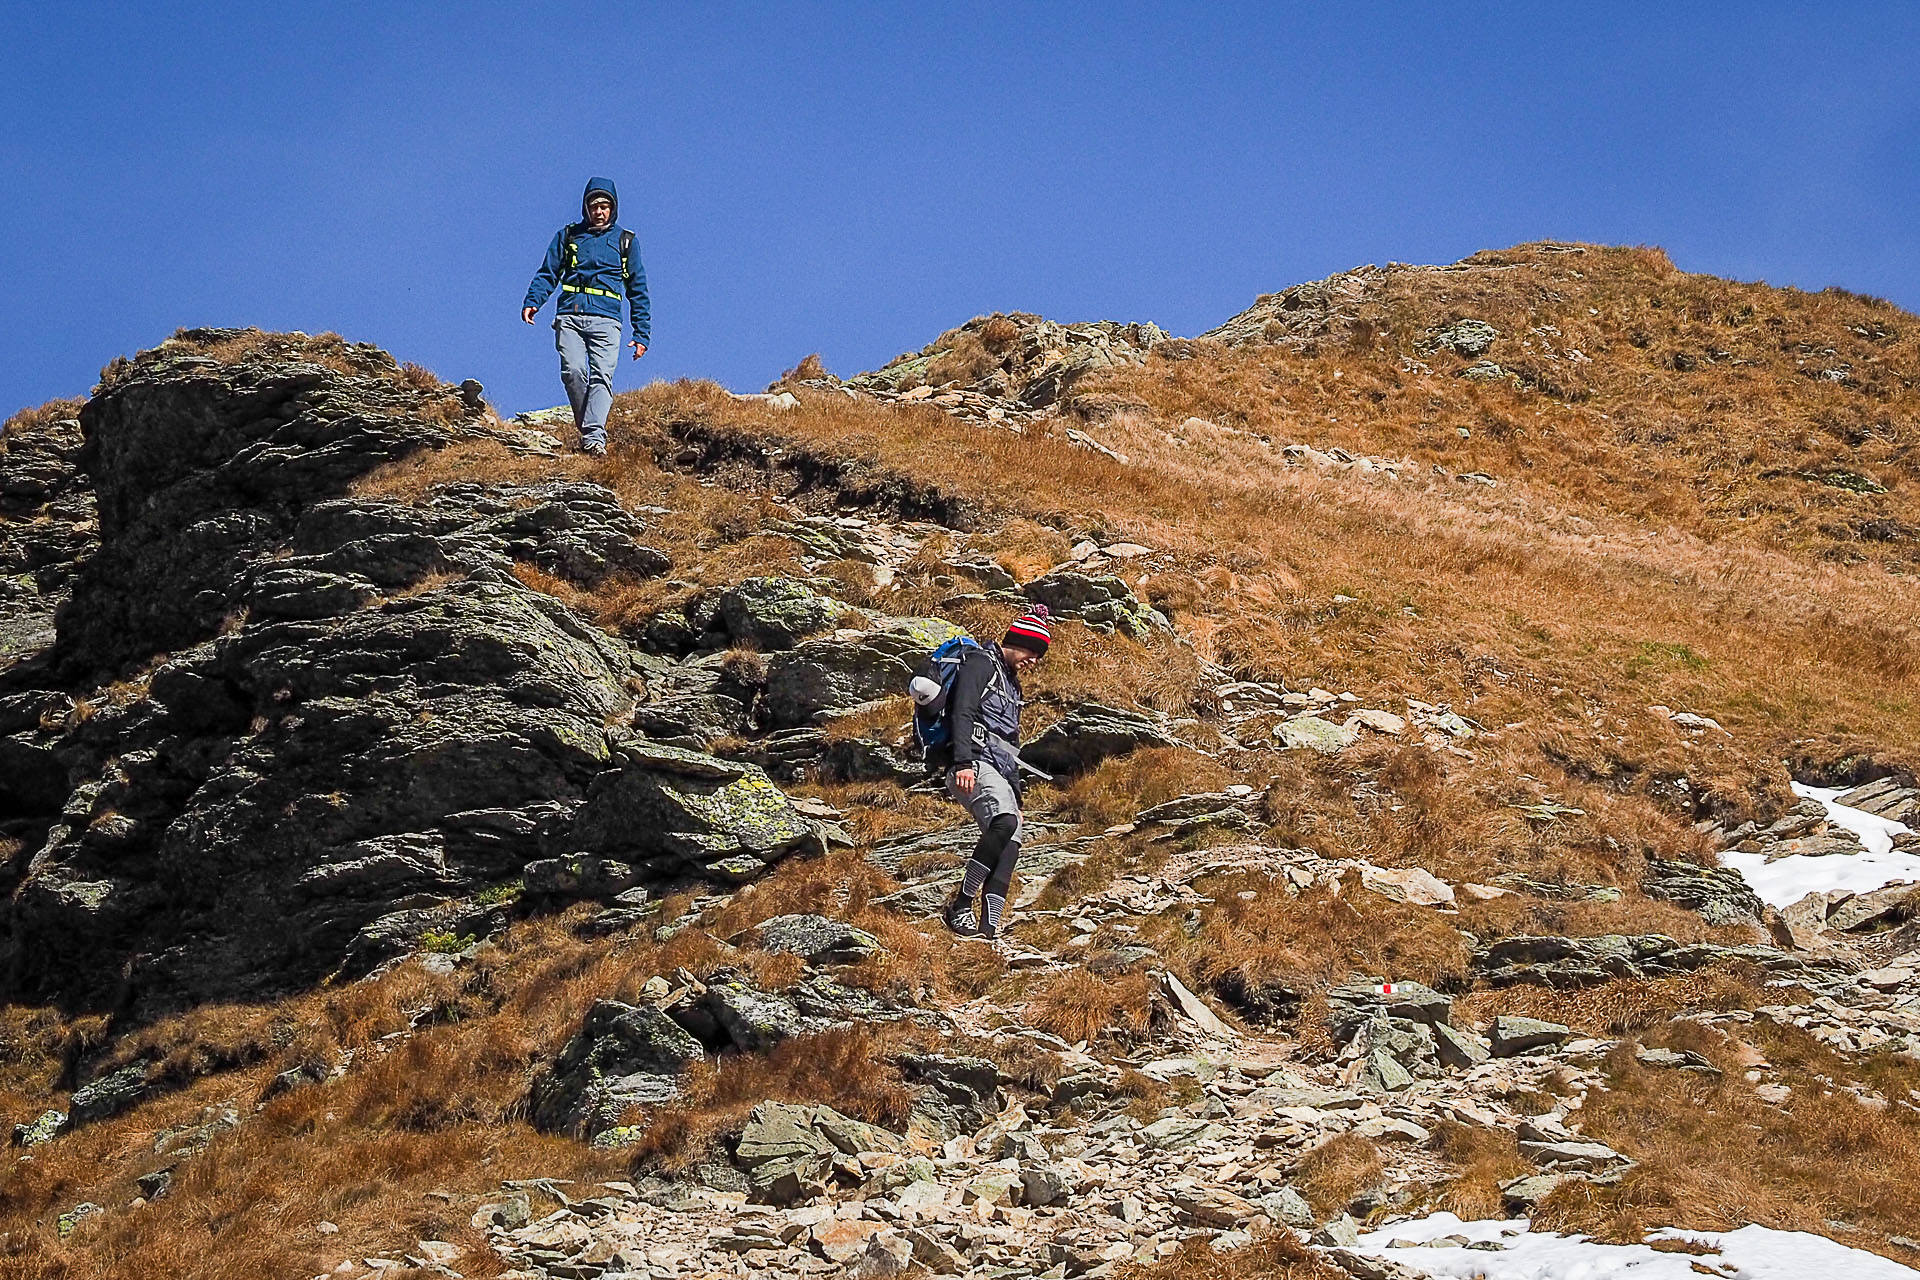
{"type": "Point", "coordinates": [1029, 630]}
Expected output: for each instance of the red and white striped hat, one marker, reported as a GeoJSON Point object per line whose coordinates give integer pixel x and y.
{"type": "Point", "coordinates": [1029, 630]}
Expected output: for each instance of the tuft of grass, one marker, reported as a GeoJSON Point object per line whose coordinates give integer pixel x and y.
{"type": "Point", "coordinates": [1625, 1006]}
{"type": "Point", "coordinates": [505, 891]}
{"type": "Point", "coordinates": [1485, 1159]}
{"type": "Point", "coordinates": [1123, 786]}
{"type": "Point", "coordinates": [1081, 1007]}
{"type": "Point", "coordinates": [34, 418]}
{"type": "Point", "coordinates": [745, 665]}
{"type": "Point", "coordinates": [810, 367]}
{"type": "Point", "coordinates": [1319, 938]}
{"type": "Point", "coordinates": [1335, 1173]}
{"type": "Point", "coordinates": [1276, 1256]}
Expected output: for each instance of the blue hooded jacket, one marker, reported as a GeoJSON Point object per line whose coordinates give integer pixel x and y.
{"type": "Point", "coordinates": [586, 267]}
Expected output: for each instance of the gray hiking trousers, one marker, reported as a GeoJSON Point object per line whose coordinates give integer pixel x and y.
{"type": "Point", "coordinates": [992, 796]}
{"type": "Point", "coordinates": [589, 353]}
{"type": "Point", "coordinates": [991, 803]}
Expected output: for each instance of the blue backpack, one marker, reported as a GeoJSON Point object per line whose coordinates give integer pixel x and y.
{"type": "Point", "coordinates": [929, 688]}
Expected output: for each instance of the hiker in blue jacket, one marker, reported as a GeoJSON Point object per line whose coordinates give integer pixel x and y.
{"type": "Point", "coordinates": [983, 771]}
{"type": "Point", "coordinates": [594, 264]}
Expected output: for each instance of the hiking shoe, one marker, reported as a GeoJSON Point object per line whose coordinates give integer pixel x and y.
{"type": "Point", "coordinates": [961, 918]}
{"type": "Point", "coordinates": [594, 449]}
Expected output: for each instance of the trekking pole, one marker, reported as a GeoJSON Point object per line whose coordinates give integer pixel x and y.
{"type": "Point", "coordinates": [1027, 768]}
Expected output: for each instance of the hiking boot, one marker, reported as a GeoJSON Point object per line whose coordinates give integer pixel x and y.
{"type": "Point", "coordinates": [594, 449]}
{"type": "Point", "coordinates": [961, 918]}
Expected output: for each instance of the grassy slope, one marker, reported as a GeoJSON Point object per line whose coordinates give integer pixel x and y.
{"type": "Point", "coordinates": [1651, 541]}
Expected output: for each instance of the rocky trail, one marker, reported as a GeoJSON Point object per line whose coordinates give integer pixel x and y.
{"type": "Point", "coordinates": [275, 718]}
{"type": "Point", "coordinates": [995, 1179]}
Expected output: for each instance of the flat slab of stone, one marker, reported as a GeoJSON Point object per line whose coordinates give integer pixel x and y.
{"type": "Point", "coordinates": [1577, 1157]}
{"type": "Point", "coordinates": [1414, 886]}
{"type": "Point", "coordinates": [1312, 732]}
{"type": "Point", "coordinates": [1515, 1035]}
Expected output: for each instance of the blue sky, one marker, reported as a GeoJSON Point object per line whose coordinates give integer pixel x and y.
{"type": "Point", "coordinates": [854, 178]}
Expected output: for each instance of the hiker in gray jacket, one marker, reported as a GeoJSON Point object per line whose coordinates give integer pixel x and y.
{"type": "Point", "coordinates": [984, 773]}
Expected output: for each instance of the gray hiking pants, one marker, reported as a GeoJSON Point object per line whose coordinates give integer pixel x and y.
{"type": "Point", "coordinates": [589, 352]}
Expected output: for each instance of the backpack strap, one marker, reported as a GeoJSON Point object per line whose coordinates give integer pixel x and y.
{"type": "Point", "coordinates": [570, 266]}
{"type": "Point", "coordinates": [626, 254]}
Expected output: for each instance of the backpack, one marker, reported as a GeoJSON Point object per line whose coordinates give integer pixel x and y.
{"type": "Point", "coordinates": [566, 251]}
{"type": "Point", "coordinates": [929, 688]}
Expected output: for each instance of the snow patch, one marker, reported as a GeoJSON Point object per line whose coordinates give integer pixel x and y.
{"type": "Point", "coordinates": [1784, 882]}
{"type": "Point", "coordinates": [1875, 832]}
{"type": "Point", "coordinates": [1750, 1253]}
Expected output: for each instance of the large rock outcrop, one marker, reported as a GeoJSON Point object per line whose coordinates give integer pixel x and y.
{"type": "Point", "coordinates": [200, 466]}
{"type": "Point", "coordinates": [337, 713]}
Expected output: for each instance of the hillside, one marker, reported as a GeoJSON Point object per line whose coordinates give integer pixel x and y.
{"type": "Point", "coordinates": [428, 845]}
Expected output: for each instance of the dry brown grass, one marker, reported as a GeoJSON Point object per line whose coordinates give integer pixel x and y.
{"type": "Point", "coordinates": [712, 534]}
{"type": "Point", "coordinates": [1702, 446]}
{"type": "Point", "coordinates": [1081, 1007]}
{"type": "Point", "coordinates": [887, 722]}
{"type": "Point", "coordinates": [1655, 538]}
{"type": "Point", "coordinates": [1712, 1156]}
{"type": "Point", "coordinates": [877, 810]}
{"type": "Point", "coordinates": [559, 588]}
{"type": "Point", "coordinates": [439, 1110]}
{"type": "Point", "coordinates": [1024, 548]}
{"type": "Point", "coordinates": [330, 349]}
{"type": "Point", "coordinates": [841, 885]}
{"type": "Point", "coordinates": [847, 1068]}
{"type": "Point", "coordinates": [744, 664]}
{"type": "Point", "coordinates": [1319, 938]}
{"type": "Point", "coordinates": [1524, 914]}
{"type": "Point", "coordinates": [37, 416]}
{"type": "Point", "coordinates": [1121, 787]}
{"type": "Point", "coordinates": [1486, 599]}
{"type": "Point", "coordinates": [1083, 665]}
{"type": "Point", "coordinates": [1332, 1174]}
{"type": "Point", "coordinates": [810, 367]}
{"type": "Point", "coordinates": [38, 1050]}
{"type": "Point", "coordinates": [1277, 1256]}
{"type": "Point", "coordinates": [1624, 1006]}
{"type": "Point", "coordinates": [968, 357]}
{"type": "Point", "coordinates": [1485, 1158]}
{"type": "Point", "coordinates": [414, 477]}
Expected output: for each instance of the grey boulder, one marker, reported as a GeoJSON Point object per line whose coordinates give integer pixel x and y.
{"type": "Point", "coordinates": [1515, 1035]}
{"type": "Point", "coordinates": [775, 613]}
{"type": "Point", "coordinates": [109, 1095]}
{"type": "Point", "coordinates": [817, 939]}
{"type": "Point", "coordinates": [1089, 734]}
{"type": "Point", "coordinates": [677, 810]}
{"type": "Point", "coordinates": [846, 669]}
{"type": "Point", "coordinates": [1103, 602]}
{"type": "Point", "coordinates": [623, 1055]}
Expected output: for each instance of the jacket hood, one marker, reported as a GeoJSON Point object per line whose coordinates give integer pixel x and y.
{"type": "Point", "coordinates": [603, 185]}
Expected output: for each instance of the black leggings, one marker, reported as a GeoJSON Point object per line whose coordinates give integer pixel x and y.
{"type": "Point", "coordinates": [997, 852]}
